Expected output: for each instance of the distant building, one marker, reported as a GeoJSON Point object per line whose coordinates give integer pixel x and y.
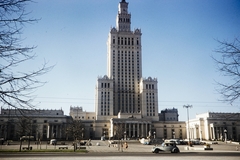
{"type": "Point", "coordinates": [214, 126]}
{"type": "Point", "coordinates": [168, 115]}
{"type": "Point", "coordinates": [42, 124]}
{"type": "Point", "coordinates": [77, 113]}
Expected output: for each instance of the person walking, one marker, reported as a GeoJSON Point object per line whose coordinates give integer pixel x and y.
{"type": "Point", "coordinates": [126, 145]}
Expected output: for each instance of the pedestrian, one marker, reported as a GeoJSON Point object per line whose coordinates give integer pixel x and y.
{"type": "Point", "coordinates": [126, 145]}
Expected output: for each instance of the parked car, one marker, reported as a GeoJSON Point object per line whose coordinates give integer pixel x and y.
{"type": "Point", "coordinates": [53, 141]}
{"type": "Point", "coordinates": [82, 143]}
{"type": "Point", "coordinates": [166, 146]}
{"type": "Point", "coordinates": [112, 142]}
{"type": "Point", "coordinates": [102, 138]}
{"type": "Point", "coordinates": [177, 141]}
{"type": "Point", "coordinates": [195, 141]}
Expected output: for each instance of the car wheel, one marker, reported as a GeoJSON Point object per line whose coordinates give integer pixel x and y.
{"type": "Point", "coordinates": [175, 150]}
{"type": "Point", "coordinates": [157, 151]}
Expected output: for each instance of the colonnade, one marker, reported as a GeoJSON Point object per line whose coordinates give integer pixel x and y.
{"type": "Point", "coordinates": [54, 131]}
{"type": "Point", "coordinates": [132, 129]}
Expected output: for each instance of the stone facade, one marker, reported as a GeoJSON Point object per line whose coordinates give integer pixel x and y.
{"type": "Point", "coordinates": [123, 96]}
{"type": "Point", "coordinates": [215, 126]}
{"type": "Point", "coordinates": [41, 124]}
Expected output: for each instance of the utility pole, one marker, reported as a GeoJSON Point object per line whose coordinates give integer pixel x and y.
{"type": "Point", "coordinates": [188, 106]}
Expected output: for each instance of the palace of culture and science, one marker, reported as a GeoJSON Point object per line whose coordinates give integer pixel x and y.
{"type": "Point", "coordinates": [126, 104]}
{"type": "Point", "coordinates": [124, 100]}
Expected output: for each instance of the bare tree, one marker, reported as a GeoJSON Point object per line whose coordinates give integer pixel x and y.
{"type": "Point", "coordinates": [16, 86]}
{"type": "Point", "coordinates": [119, 133]}
{"type": "Point", "coordinates": [75, 130]}
{"type": "Point", "coordinates": [229, 65]}
{"type": "Point", "coordinates": [25, 130]}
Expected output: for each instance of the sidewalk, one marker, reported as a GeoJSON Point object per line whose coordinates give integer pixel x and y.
{"type": "Point", "coordinates": [133, 146]}
{"type": "Point", "coordinates": [138, 147]}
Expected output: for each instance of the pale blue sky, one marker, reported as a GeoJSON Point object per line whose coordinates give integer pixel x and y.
{"type": "Point", "coordinates": [177, 43]}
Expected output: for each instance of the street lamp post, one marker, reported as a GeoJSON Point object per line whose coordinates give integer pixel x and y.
{"type": "Point", "coordinates": [188, 106]}
{"type": "Point", "coordinates": [201, 135]}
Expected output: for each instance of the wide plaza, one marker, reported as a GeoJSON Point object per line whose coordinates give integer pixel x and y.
{"type": "Point", "coordinates": [133, 146]}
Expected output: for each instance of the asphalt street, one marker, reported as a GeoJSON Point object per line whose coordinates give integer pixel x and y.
{"type": "Point", "coordinates": [101, 150]}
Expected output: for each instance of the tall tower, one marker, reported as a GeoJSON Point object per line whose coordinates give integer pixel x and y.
{"type": "Point", "coordinates": [125, 85]}
{"type": "Point", "coordinates": [125, 63]}
{"type": "Point", "coordinates": [123, 20]}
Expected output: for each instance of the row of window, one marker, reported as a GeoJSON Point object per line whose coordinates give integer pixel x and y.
{"type": "Point", "coordinates": [124, 19]}
{"type": "Point", "coordinates": [105, 85]}
{"type": "Point", "coordinates": [150, 97]}
{"type": "Point", "coordinates": [104, 113]}
{"type": "Point", "coordinates": [78, 117]}
{"type": "Point", "coordinates": [126, 64]}
{"type": "Point", "coordinates": [171, 118]}
{"type": "Point", "coordinates": [126, 56]}
{"type": "Point", "coordinates": [150, 114]}
{"type": "Point", "coordinates": [149, 86]}
{"type": "Point", "coordinates": [125, 40]}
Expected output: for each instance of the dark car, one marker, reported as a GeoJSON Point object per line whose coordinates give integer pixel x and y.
{"type": "Point", "coordinates": [166, 146]}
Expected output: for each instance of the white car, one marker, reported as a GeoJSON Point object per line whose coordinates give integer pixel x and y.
{"type": "Point", "coordinates": [53, 141]}
{"type": "Point", "coordinates": [166, 146]}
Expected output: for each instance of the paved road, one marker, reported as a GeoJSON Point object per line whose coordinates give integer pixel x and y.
{"type": "Point", "coordinates": [120, 156]}
{"type": "Point", "coordinates": [135, 150]}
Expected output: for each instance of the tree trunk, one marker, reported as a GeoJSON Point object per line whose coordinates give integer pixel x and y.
{"type": "Point", "coordinates": [29, 142]}
{"type": "Point", "coordinates": [20, 149]}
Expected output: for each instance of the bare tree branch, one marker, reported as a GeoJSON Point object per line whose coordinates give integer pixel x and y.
{"type": "Point", "coordinates": [16, 87]}
{"type": "Point", "coordinates": [229, 65]}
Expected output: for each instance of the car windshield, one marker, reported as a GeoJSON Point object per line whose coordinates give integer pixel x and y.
{"type": "Point", "coordinates": [168, 144]}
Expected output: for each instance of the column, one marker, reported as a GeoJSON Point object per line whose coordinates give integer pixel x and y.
{"type": "Point", "coordinates": [56, 134]}
{"type": "Point", "coordinates": [48, 132]}
{"type": "Point", "coordinates": [142, 130]}
{"type": "Point", "coordinates": [125, 127]}
{"type": "Point", "coordinates": [134, 129]}
{"type": "Point", "coordinates": [129, 128]}
{"type": "Point", "coordinates": [51, 131]}
{"type": "Point", "coordinates": [150, 128]}
{"type": "Point", "coordinates": [138, 130]}
{"type": "Point", "coordinates": [146, 129]}
{"type": "Point", "coordinates": [60, 131]}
